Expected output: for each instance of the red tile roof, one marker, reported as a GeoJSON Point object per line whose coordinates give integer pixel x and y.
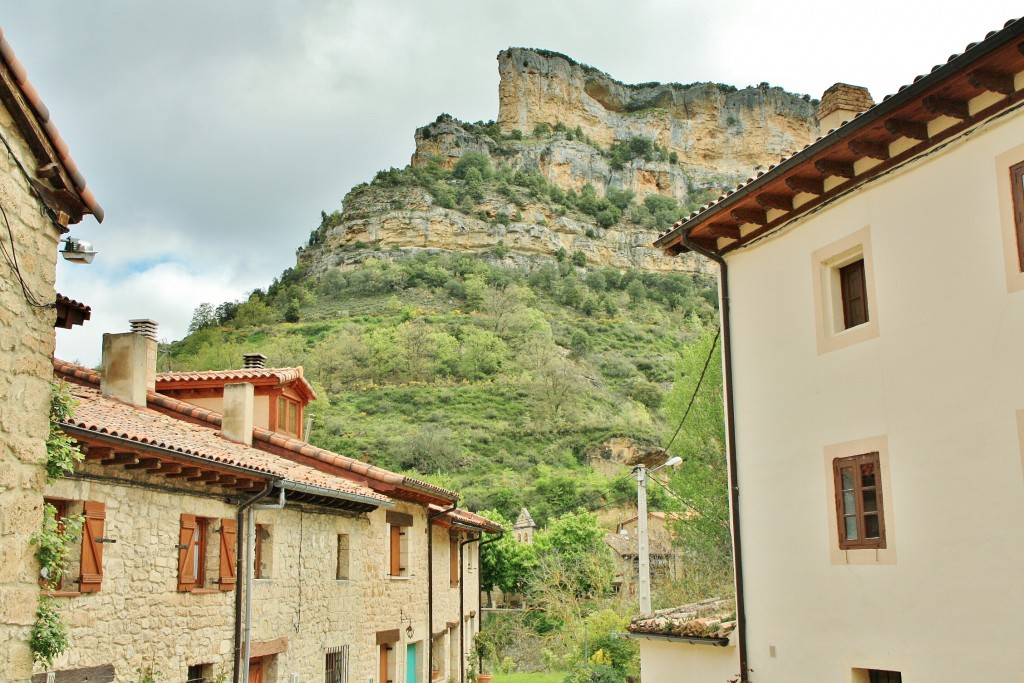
{"type": "Point", "coordinates": [716, 225]}
{"type": "Point", "coordinates": [109, 417]}
{"type": "Point", "coordinates": [397, 485]}
{"type": "Point", "coordinates": [42, 115]}
{"type": "Point", "coordinates": [469, 519]}
{"type": "Point", "coordinates": [712, 619]}
{"type": "Point", "coordinates": [165, 380]}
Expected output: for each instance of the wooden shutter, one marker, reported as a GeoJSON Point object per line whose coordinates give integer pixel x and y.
{"type": "Point", "coordinates": [92, 549]}
{"type": "Point", "coordinates": [1017, 185]}
{"type": "Point", "coordinates": [453, 560]}
{"type": "Point", "coordinates": [396, 551]}
{"type": "Point", "coordinates": [228, 535]}
{"type": "Point", "coordinates": [186, 553]}
{"type": "Point", "coordinates": [853, 284]}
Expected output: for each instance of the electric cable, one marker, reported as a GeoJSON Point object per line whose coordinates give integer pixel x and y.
{"type": "Point", "coordinates": [693, 397]}
{"type": "Point", "coordinates": [12, 260]}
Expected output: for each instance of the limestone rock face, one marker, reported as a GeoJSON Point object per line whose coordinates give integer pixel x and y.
{"type": "Point", "coordinates": [712, 127]}
{"type": "Point", "coordinates": [387, 222]}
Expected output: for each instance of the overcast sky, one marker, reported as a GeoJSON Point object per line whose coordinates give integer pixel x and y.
{"type": "Point", "coordinates": [214, 132]}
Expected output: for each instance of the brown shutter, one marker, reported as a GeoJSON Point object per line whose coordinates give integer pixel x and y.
{"type": "Point", "coordinates": [396, 551]}
{"type": "Point", "coordinates": [453, 560]}
{"type": "Point", "coordinates": [228, 535]}
{"type": "Point", "coordinates": [92, 550]}
{"type": "Point", "coordinates": [186, 553]}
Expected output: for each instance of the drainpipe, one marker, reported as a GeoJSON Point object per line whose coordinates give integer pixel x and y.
{"type": "Point", "coordinates": [462, 609]}
{"type": "Point", "coordinates": [239, 568]}
{"type": "Point", "coordinates": [430, 587]}
{"type": "Point", "coordinates": [730, 416]}
{"type": "Point", "coordinates": [479, 587]}
{"type": "Point", "coordinates": [250, 535]}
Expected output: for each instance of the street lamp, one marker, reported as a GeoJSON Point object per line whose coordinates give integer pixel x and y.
{"type": "Point", "coordinates": [642, 541]}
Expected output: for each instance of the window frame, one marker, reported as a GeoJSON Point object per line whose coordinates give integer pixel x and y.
{"type": "Point", "coordinates": [827, 263]}
{"type": "Point", "coordinates": [399, 531]}
{"type": "Point", "coordinates": [854, 462]}
{"type": "Point", "coordinates": [335, 656]}
{"type": "Point", "coordinates": [852, 276]}
{"type": "Point", "coordinates": [289, 416]}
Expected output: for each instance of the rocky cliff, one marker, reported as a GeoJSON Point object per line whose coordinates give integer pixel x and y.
{"type": "Point", "coordinates": [567, 128]}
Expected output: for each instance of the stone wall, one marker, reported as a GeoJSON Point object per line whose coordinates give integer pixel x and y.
{"type": "Point", "coordinates": [138, 617]}
{"type": "Point", "coordinates": [26, 346]}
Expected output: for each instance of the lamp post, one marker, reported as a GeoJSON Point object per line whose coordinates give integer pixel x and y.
{"type": "Point", "coordinates": [643, 541]}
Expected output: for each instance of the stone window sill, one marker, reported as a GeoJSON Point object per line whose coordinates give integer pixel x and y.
{"type": "Point", "coordinates": [398, 578]}
{"type": "Point", "coordinates": [62, 594]}
{"type": "Point", "coordinates": [206, 591]}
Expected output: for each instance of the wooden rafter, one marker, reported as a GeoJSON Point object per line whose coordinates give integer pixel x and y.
{"type": "Point", "coordinates": [992, 80]}
{"type": "Point", "coordinates": [724, 230]}
{"type": "Point", "coordinates": [122, 459]}
{"type": "Point", "coordinates": [915, 130]}
{"type": "Point", "coordinates": [186, 472]}
{"type": "Point", "coordinates": [783, 202]}
{"type": "Point", "coordinates": [98, 454]}
{"type": "Point", "coordinates": [143, 464]}
{"type": "Point", "coordinates": [843, 169]}
{"type": "Point", "coordinates": [949, 107]}
{"type": "Point", "coordinates": [871, 150]}
{"type": "Point", "coordinates": [805, 184]}
{"type": "Point", "coordinates": [208, 475]}
{"type": "Point", "coordinates": [750, 215]}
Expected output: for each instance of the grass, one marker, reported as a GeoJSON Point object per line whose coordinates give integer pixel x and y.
{"type": "Point", "coordinates": [537, 677]}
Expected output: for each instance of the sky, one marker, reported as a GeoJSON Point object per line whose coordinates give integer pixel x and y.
{"type": "Point", "coordinates": [214, 133]}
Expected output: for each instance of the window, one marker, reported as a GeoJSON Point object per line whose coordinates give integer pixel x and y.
{"type": "Point", "coordinates": [263, 552]}
{"type": "Point", "coordinates": [84, 571]}
{"type": "Point", "coordinates": [453, 559]}
{"type": "Point", "coordinates": [288, 416]}
{"type": "Point", "coordinates": [399, 526]}
{"type": "Point", "coordinates": [879, 676]}
{"type": "Point", "coordinates": [854, 294]}
{"type": "Point", "coordinates": [197, 673]}
{"type": "Point", "coordinates": [343, 573]}
{"type": "Point", "coordinates": [859, 501]}
{"type": "Point", "coordinates": [1017, 193]}
{"type": "Point", "coordinates": [199, 560]}
{"type": "Point", "coordinates": [336, 665]}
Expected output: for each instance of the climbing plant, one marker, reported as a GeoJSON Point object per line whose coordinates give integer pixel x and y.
{"type": "Point", "coordinates": [49, 635]}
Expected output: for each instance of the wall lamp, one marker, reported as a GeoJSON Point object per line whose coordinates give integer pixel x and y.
{"type": "Point", "coordinates": [77, 251]}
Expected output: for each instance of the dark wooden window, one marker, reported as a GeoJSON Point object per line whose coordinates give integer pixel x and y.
{"type": "Point", "coordinates": [199, 556]}
{"type": "Point", "coordinates": [262, 534]}
{"type": "Point", "coordinates": [193, 553]}
{"type": "Point", "coordinates": [196, 673]}
{"type": "Point", "coordinates": [854, 289]}
{"type": "Point", "coordinates": [57, 583]}
{"type": "Point", "coordinates": [336, 665]}
{"type": "Point", "coordinates": [879, 676]}
{"type": "Point", "coordinates": [859, 501]}
{"type": "Point", "coordinates": [1017, 184]}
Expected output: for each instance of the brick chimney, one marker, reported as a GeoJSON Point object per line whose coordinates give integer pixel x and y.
{"type": "Point", "coordinates": [129, 363]}
{"type": "Point", "coordinates": [841, 103]}
{"type": "Point", "coordinates": [237, 412]}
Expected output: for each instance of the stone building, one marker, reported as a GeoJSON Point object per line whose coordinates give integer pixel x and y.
{"type": "Point", "coordinates": [41, 193]}
{"type": "Point", "coordinates": [335, 552]}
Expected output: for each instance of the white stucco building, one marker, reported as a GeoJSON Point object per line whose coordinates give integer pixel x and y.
{"type": "Point", "coordinates": [873, 306]}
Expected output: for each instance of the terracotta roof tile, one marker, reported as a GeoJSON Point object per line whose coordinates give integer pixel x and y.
{"type": "Point", "coordinates": [43, 116]}
{"type": "Point", "coordinates": [712, 619]}
{"type": "Point", "coordinates": [470, 519]}
{"type": "Point", "coordinates": [279, 375]}
{"type": "Point", "coordinates": [105, 416]}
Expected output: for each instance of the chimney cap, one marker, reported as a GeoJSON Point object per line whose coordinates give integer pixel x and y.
{"type": "Point", "coordinates": [147, 328]}
{"type": "Point", "coordinates": [253, 361]}
{"type": "Point", "coordinates": [846, 98]}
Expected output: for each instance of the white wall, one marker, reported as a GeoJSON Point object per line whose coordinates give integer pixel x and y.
{"type": "Point", "coordinates": [664, 661]}
{"type": "Point", "coordinates": [939, 387]}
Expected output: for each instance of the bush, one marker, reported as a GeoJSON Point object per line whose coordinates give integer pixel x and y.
{"type": "Point", "coordinates": [473, 161]}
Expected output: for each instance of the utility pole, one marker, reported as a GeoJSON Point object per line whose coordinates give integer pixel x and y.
{"type": "Point", "coordinates": [644, 569]}
{"type": "Point", "coordinates": [643, 542]}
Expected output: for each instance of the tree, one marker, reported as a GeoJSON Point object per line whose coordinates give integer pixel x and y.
{"type": "Point", "coordinates": [505, 564]}
{"type": "Point", "coordinates": [202, 318]}
{"type": "Point", "coordinates": [573, 557]}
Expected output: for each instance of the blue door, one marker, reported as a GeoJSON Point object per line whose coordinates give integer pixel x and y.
{"type": "Point", "coordinates": [410, 663]}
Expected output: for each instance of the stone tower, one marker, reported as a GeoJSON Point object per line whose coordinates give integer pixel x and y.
{"type": "Point", "coordinates": [524, 526]}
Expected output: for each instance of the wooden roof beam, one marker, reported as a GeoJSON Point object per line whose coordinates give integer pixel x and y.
{"type": "Point", "coordinates": [843, 169]}
{"type": "Point", "coordinates": [783, 202]}
{"type": "Point", "coordinates": [185, 472]}
{"type": "Point", "coordinates": [207, 476]}
{"type": "Point", "coordinates": [99, 454]}
{"type": "Point", "coordinates": [724, 230]}
{"type": "Point", "coordinates": [992, 80]}
{"type": "Point", "coordinates": [122, 459]}
{"type": "Point", "coordinates": [165, 468]}
{"type": "Point", "coordinates": [872, 150]}
{"type": "Point", "coordinates": [946, 106]}
{"type": "Point", "coordinates": [143, 464]}
{"type": "Point", "coordinates": [223, 480]}
{"type": "Point", "coordinates": [750, 215]}
{"type": "Point", "coordinates": [915, 130]}
{"type": "Point", "coordinates": [804, 184]}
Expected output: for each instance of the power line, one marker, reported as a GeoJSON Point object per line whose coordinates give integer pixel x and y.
{"type": "Point", "coordinates": [700, 381]}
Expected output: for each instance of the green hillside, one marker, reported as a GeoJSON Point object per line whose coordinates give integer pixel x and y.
{"type": "Point", "coordinates": [487, 379]}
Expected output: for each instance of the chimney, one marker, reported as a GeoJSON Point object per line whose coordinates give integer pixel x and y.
{"type": "Point", "coordinates": [254, 361]}
{"type": "Point", "coordinates": [237, 413]}
{"type": "Point", "coordinates": [841, 103]}
{"type": "Point", "coordinates": [129, 363]}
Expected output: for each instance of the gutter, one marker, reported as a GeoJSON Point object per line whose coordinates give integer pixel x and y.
{"type": "Point", "coordinates": [730, 421]}
{"type": "Point", "coordinates": [250, 536]}
{"type": "Point", "coordinates": [314, 490]}
{"type": "Point", "coordinates": [430, 585]}
{"type": "Point", "coordinates": [240, 563]}
{"type": "Point", "coordinates": [692, 640]}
